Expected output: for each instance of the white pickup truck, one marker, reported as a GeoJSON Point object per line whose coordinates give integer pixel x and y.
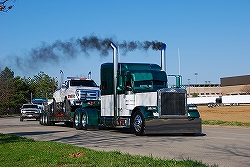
{"type": "Point", "coordinates": [77, 90]}
{"type": "Point", "coordinates": [30, 111]}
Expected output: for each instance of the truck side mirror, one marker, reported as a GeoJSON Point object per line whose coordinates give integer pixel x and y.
{"type": "Point", "coordinates": [119, 88]}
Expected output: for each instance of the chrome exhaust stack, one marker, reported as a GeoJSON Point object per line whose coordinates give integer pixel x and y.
{"type": "Point", "coordinates": [163, 57]}
{"type": "Point", "coordinates": [115, 64]}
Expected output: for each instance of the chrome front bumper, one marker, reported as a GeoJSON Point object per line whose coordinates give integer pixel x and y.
{"type": "Point", "coordinates": [30, 115]}
{"type": "Point", "coordinates": [173, 125]}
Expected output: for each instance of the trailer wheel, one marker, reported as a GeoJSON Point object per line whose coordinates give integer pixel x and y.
{"type": "Point", "coordinates": [41, 120]}
{"type": "Point", "coordinates": [45, 120]}
{"type": "Point", "coordinates": [138, 123]}
{"type": "Point", "coordinates": [77, 123]}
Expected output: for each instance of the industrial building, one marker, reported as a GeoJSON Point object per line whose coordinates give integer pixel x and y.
{"type": "Point", "coordinates": [236, 85]}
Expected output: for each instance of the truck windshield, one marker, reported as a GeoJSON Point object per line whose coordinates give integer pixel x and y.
{"type": "Point", "coordinates": [30, 106]}
{"type": "Point", "coordinates": [154, 85]}
{"type": "Point", "coordinates": [39, 102]}
{"type": "Point", "coordinates": [88, 83]}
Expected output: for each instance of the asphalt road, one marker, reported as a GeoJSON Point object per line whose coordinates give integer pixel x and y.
{"type": "Point", "coordinates": [224, 146]}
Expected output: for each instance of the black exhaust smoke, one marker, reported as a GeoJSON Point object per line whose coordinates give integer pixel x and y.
{"type": "Point", "coordinates": [60, 51]}
{"type": "Point", "coordinates": [103, 45]}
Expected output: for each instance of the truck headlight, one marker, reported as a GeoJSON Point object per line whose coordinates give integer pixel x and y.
{"type": "Point", "coordinates": [91, 102]}
{"type": "Point", "coordinates": [71, 96]}
{"type": "Point", "coordinates": [192, 107]}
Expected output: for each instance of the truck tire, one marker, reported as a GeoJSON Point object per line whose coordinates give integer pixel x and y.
{"type": "Point", "coordinates": [77, 122]}
{"type": "Point", "coordinates": [21, 119]}
{"type": "Point", "coordinates": [84, 121]}
{"type": "Point", "coordinates": [137, 123]}
{"type": "Point", "coordinates": [45, 119]}
{"type": "Point", "coordinates": [41, 120]}
{"type": "Point", "coordinates": [66, 108]}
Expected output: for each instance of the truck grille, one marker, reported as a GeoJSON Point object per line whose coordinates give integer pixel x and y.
{"type": "Point", "coordinates": [30, 112]}
{"type": "Point", "coordinates": [88, 95]}
{"type": "Point", "coordinates": [172, 102]}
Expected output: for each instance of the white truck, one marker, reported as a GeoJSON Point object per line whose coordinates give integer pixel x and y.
{"type": "Point", "coordinates": [77, 90]}
{"type": "Point", "coordinates": [30, 111]}
{"type": "Point", "coordinates": [74, 93]}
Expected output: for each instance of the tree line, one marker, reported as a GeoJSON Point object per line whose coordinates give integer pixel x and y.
{"type": "Point", "coordinates": [15, 91]}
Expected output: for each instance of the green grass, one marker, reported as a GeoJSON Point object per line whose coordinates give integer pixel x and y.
{"type": "Point", "coordinates": [19, 151]}
{"type": "Point", "coordinates": [225, 123]}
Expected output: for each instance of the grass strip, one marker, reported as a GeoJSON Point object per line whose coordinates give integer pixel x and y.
{"type": "Point", "coordinates": [19, 151]}
{"type": "Point", "coordinates": [225, 123]}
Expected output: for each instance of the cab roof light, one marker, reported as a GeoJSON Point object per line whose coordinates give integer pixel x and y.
{"type": "Point", "coordinates": [77, 79]}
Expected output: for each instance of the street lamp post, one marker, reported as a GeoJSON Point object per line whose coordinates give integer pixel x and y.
{"type": "Point", "coordinates": [196, 75]}
{"type": "Point", "coordinates": [188, 87]}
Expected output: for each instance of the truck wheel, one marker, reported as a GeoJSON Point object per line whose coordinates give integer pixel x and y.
{"type": "Point", "coordinates": [21, 119]}
{"type": "Point", "coordinates": [66, 106]}
{"type": "Point", "coordinates": [83, 121]}
{"type": "Point", "coordinates": [77, 123]}
{"type": "Point", "coordinates": [138, 123]}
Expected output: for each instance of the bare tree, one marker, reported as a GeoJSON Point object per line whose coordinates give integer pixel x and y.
{"type": "Point", "coordinates": [5, 5]}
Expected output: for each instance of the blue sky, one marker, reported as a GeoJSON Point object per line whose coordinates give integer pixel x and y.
{"type": "Point", "coordinates": [213, 36]}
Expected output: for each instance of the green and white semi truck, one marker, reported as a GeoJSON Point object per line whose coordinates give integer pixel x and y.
{"type": "Point", "coordinates": [136, 96]}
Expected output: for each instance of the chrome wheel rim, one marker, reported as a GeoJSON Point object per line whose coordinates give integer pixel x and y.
{"type": "Point", "coordinates": [76, 120]}
{"type": "Point", "coordinates": [138, 123]}
{"type": "Point", "coordinates": [83, 120]}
